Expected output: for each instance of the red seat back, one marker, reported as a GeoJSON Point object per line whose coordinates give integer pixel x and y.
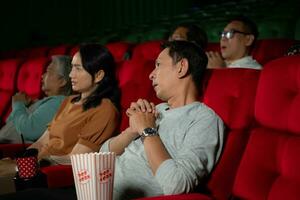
{"type": "Point", "coordinates": [30, 76]}
{"type": "Point", "coordinates": [231, 93]}
{"type": "Point", "coordinates": [270, 165]}
{"type": "Point", "coordinates": [147, 50]}
{"type": "Point", "coordinates": [8, 74]}
{"type": "Point", "coordinates": [269, 49]}
{"type": "Point", "coordinates": [119, 50]}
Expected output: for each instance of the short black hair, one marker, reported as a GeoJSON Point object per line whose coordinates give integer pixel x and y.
{"type": "Point", "coordinates": [249, 25]}
{"type": "Point", "coordinates": [195, 56]}
{"type": "Point", "coordinates": [194, 34]}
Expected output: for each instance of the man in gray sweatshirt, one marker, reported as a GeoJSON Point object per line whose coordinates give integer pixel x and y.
{"type": "Point", "coordinates": [171, 147]}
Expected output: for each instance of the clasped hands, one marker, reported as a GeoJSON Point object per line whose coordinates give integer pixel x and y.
{"type": "Point", "coordinates": [22, 97]}
{"type": "Point", "coordinates": [142, 114]}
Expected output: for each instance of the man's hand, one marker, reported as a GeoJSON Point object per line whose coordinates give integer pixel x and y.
{"type": "Point", "coordinates": [139, 120]}
{"type": "Point", "coordinates": [215, 60]}
{"type": "Point", "coordinates": [21, 97]}
{"type": "Point", "coordinates": [142, 105]}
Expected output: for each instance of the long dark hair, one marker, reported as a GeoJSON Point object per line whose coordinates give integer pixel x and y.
{"type": "Point", "coordinates": [95, 57]}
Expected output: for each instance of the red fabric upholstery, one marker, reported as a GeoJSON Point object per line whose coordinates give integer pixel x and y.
{"type": "Point", "coordinates": [269, 49]}
{"type": "Point", "coordinates": [30, 76]}
{"type": "Point", "coordinates": [59, 176]}
{"type": "Point", "coordinates": [147, 50]}
{"type": "Point", "coordinates": [279, 86]}
{"type": "Point", "coordinates": [231, 93]}
{"type": "Point", "coordinates": [270, 166]}
{"type": "Point", "coordinates": [119, 50]}
{"type": "Point", "coordinates": [8, 74]}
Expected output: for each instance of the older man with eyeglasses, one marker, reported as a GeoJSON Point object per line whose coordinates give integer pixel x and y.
{"type": "Point", "coordinates": [236, 42]}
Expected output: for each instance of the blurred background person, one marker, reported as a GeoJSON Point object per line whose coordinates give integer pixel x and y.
{"type": "Point", "coordinates": [236, 42]}
{"type": "Point", "coordinates": [191, 33]}
{"type": "Point", "coordinates": [31, 118]}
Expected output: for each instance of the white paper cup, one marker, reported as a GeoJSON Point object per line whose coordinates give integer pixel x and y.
{"type": "Point", "coordinates": [94, 175]}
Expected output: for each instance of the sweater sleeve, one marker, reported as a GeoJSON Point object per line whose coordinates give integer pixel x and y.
{"type": "Point", "coordinates": [195, 160]}
{"type": "Point", "coordinates": [33, 124]}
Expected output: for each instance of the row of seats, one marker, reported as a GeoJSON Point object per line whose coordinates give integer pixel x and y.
{"type": "Point", "coordinates": [265, 50]}
{"type": "Point", "coordinates": [260, 109]}
{"type": "Point", "coordinates": [142, 57]}
{"type": "Point", "coordinates": [20, 75]}
{"type": "Point", "coordinates": [260, 157]}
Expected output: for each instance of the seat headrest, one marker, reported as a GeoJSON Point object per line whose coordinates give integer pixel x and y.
{"type": "Point", "coordinates": [230, 93]}
{"type": "Point", "coordinates": [277, 103]}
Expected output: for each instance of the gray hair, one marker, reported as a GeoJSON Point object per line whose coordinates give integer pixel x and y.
{"type": "Point", "coordinates": [64, 68]}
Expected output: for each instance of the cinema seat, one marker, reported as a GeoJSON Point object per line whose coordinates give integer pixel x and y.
{"type": "Point", "coordinates": [30, 76]}
{"type": "Point", "coordinates": [147, 50]}
{"type": "Point", "coordinates": [270, 165]}
{"type": "Point", "coordinates": [8, 76]}
{"type": "Point", "coordinates": [270, 49]}
{"type": "Point", "coordinates": [120, 50]}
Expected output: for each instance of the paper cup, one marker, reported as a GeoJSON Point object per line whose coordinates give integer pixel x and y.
{"type": "Point", "coordinates": [27, 167]}
{"type": "Point", "coordinates": [94, 175]}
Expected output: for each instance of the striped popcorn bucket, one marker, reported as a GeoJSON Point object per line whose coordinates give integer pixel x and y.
{"type": "Point", "coordinates": [94, 175]}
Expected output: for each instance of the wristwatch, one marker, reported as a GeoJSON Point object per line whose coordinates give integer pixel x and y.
{"type": "Point", "coordinates": [148, 132]}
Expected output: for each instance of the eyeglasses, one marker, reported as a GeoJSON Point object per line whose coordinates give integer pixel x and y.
{"type": "Point", "coordinates": [230, 34]}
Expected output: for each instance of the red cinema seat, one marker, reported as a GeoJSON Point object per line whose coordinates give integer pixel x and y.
{"type": "Point", "coordinates": [269, 49]}
{"type": "Point", "coordinates": [119, 50]}
{"type": "Point", "coordinates": [8, 75]}
{"type": "Point", "coordinates": [270, 165]}
{"type": "Point", "coordinates": [30, 76]}
{"type": "Point", "coordinates": [147, 50]}
{"type": "Point", "coordinates": [231, 94]}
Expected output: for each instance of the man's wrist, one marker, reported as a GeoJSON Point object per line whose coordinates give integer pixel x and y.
{"type": "Point", "coordinates": [149, 132]}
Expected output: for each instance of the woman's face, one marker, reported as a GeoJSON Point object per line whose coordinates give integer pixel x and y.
{"type": "Point", "coordinates": [82, 81]}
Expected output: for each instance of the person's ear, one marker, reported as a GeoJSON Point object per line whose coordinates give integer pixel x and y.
{"type": "Point", "coordinates": [62, 82]}
{"type": "Point", "coordinates": [250, 40]}
{"type": "Point", "coordinates": [183, 68]}
{"type": "Point", "coordinates": [99, 76]}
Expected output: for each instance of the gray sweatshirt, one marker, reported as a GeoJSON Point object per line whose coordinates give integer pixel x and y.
{"type": "Point", "coordinates": [192, 135]}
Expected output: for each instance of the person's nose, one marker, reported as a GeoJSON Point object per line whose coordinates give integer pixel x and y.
{"type": "Point", "coordinates": [71, 73]}
{"type": "Point", "coordinates": [151, 75]}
